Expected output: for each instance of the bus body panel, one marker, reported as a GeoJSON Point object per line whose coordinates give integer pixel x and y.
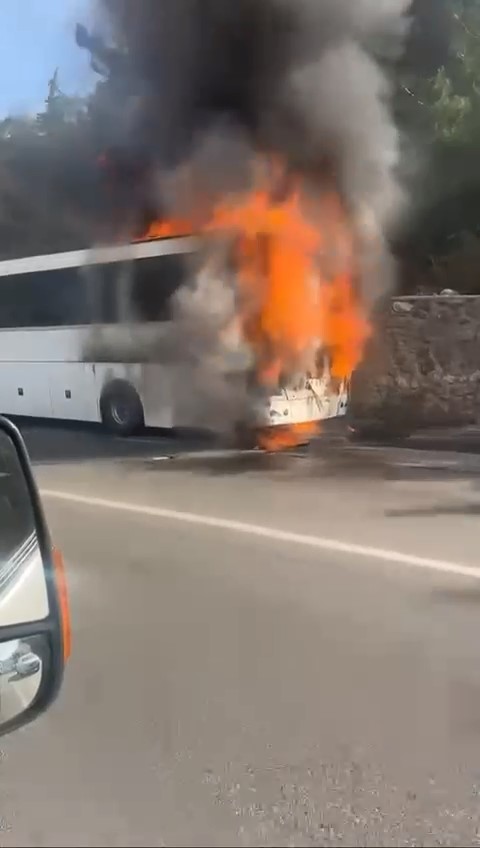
{"type": "Point", "coordinates": [315, 401]}
{"type": "Point", "coordinates": [73, 391]}
{"type": "Point", "coordinates": [49, 390]}
{"type": "Point", "coordinates": [60, 371]}
{"type": "Point", "coordinates": [44, 375]}
{"type": "Point", "coordinates": [43, 344]}
{"type": "Point", "coordinates": [153, 383]}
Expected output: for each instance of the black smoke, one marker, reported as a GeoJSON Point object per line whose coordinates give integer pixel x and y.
{"type": "Point", "coordinates": [209, 82]}
{"type": "Point", "coordinates": [308, 79]}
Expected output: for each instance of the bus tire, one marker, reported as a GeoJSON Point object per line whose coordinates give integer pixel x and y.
{"type": "Point", "coordinates": [121, 408]}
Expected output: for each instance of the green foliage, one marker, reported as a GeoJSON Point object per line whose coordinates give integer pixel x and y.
{"type": "Point", "coordinates": [451, 113]}
{"type": "Point", "coordinates": [49, 196]}
{"type": "Point", "coordinates": [441, 111]}
{"type": "Point", "coordinates": [453, 94]}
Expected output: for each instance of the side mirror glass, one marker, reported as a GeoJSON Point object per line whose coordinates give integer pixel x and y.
{"type": "Point", "coordinates": [34, 617]}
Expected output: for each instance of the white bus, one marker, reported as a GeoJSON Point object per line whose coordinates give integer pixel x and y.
{"type": "Point", "coordinates": [69, 346]}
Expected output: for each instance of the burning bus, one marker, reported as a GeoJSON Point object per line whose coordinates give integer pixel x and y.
{"type": "Point", "coordinates": [264, 128]}
{"type": "Point", "coordinates": [267, 325]}
{"type": "Point", "coordinates": [112, 340]}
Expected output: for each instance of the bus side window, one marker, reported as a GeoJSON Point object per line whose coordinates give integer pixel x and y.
{"type": "Point", "coordinates": [100, 293]}
{"type": "Point", "coordinates": [156, 279]}
{"type": "Point", "coordinates": [9, 302]}
{"type": "Point", "coordinates": [115, 281]}
{"type": "Point", "coordinates": [53, 298]}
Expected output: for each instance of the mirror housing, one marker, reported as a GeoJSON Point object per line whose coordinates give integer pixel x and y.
{"type": "Point", "coordinates": [34, 611]}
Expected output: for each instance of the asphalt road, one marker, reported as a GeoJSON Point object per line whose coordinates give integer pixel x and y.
{"type": "Point", "coordinates": [267, 651]}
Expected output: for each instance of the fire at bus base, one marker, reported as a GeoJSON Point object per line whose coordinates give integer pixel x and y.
{"type": "Point", "coordinates": [295, 309]}
{"type": "Point", "coordinates": [267, 129]}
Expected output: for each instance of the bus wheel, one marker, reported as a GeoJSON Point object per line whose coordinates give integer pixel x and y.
{"type": "Point", "coordinates": [121, 408]}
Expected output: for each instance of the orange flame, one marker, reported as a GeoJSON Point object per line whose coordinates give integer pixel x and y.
{"type": "Point", "coordinates": [163, 229]}
{"type": "Point", "coordinates": [282, 437]}
{"type": "Point", "coordinates": [295, 264]}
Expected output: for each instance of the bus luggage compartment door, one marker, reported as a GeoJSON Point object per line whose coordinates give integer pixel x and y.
{"type": "Point", "coordinates": [25, 389]}
{"type": "Point", "coordinates": [74, 391]}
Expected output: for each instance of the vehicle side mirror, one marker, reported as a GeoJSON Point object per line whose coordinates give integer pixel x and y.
{"type": "Point", "coordinates": [34, 615]}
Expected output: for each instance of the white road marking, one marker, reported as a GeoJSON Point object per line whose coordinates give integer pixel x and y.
{"type": "Point", "coordinates": [277, 535]}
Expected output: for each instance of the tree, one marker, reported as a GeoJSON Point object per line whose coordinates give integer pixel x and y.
{"type": "Point", "coordinates": [440, 111]}
{"type": "Point", "coordinates": [437, 108]}
{"type": "Point", "coordinates": [50, 192]}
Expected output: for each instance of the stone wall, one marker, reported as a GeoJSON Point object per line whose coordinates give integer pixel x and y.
{"type": "Point", "coordinates": [422, 366]}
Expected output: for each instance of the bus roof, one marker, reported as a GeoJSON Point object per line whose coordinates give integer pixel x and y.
{"type": "Point", "coordinates": [99, 255]}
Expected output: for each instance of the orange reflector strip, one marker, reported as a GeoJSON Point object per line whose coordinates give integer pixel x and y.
{"type": "Point", "coordinates": [61, 584]}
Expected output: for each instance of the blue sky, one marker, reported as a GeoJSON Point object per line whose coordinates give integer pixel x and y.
{"type": "Point", "coordinates": [36, 36]}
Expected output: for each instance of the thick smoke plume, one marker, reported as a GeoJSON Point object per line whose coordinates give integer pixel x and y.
{"type": "Point", "coordinates": [303, 78]}
{"type": "Point", "coordinates": [212, 82]}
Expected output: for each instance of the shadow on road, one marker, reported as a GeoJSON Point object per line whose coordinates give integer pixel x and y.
{"type": "Point", "coordinates": [468, 508]}
{"type": "Point", "coordinates": [468, 595]}
{"type": "Point", "coordinates": [322, 460]}
{"type": "Point", "coordinates": [52, 442]}
{"type": "Point", "coordinates": [330, 457]}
